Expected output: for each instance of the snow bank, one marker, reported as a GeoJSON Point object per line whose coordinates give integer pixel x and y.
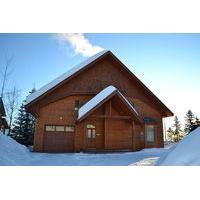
{"type": "Point", "coordinates": [11, 152]}
{"type": "Point", "coordinates": [187, 152]}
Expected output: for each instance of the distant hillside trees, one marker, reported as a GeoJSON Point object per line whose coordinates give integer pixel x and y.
{"type": "Point", "coordinates": [191, 122]}
{"type": "Point", "coordinates": [175, 133]}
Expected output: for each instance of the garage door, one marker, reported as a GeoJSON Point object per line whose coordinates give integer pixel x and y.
{"type": "Point", "coordinates": [58, 140]}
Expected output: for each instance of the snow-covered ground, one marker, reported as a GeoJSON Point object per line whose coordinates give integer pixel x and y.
{"type": "Point", "coordinates": [14, 154]}
{"type": "Point", "coordinates": [187, 152]}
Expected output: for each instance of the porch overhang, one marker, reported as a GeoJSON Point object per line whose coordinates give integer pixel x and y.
{"type": "Point", "coordinates": [104, 96]}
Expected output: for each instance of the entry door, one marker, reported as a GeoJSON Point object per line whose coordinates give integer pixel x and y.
{"type": "Point", "coordinates": [90, 138]}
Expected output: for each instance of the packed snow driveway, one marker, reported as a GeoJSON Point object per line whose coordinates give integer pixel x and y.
{"type": "Point", "coordinates": [97, 159]}
{"type": "Point", "coordinates": [14, 154]}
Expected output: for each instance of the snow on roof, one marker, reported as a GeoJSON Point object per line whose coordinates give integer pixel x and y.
{"type": "Point", "coordinates": [99, 98]}
{"type": "Point", "coordinates": [96, 100]}
{"type": "Point", "coordinates": [64, 76]}
{"type": "Point", "coordinates": [186, 152]}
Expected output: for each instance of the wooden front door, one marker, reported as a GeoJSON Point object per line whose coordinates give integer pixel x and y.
{"type": "Point", "coordinates": [90, 137]}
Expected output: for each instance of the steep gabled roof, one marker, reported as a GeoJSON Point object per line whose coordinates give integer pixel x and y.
{"type": "Point", "coordinates": [101, 98]}
{"type": "Point", "coordinates": [63, 77]}
{"type": "Point", "coordinates": [81, 67]}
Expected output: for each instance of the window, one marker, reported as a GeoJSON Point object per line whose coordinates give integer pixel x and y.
{"type": "Point", "coordinates": [69, 128]}
{"type": "Point", "coordinates": [60, 128]}
{"type": "Point", "coordinates": [90, 126]}
{"type": "Point", "coordinates": [150, 133]}
{"type": "Point", "coordinates": [50, 128]}
{"type": "Point", "coordinates": [91, 131]}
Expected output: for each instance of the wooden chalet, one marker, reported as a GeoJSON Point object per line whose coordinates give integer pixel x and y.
{"type": "Point", "coordinates": [99, 105]}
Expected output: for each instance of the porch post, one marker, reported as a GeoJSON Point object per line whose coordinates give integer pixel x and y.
{"type": "Point", "coordinates": [107, 113]}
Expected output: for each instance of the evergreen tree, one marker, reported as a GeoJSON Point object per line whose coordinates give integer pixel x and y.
{"type": "Point", "coordinates": [24, 126]}
{"type": "Point", "coordinates": [197, 121]}
{"type": "Point", "coordinates": [175, 134]}
{"type": "Point", "coordinates": [29, 127]}
{"type": "Point", "coordinates": [189, 122]}
{"type": "Point", "coordinates": [170, 133]}
{"type": "Point", "coordinates": [18, 126]}
{"type": "Point", "coordinates": [196, 124]}
{"type": "Point", "coordinates": [178, 133]}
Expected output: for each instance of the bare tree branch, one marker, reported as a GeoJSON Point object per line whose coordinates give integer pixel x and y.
{"type": "Point", "coordinates": [6, 73]}
{"type": "Point", "coordinates": [11, 105]}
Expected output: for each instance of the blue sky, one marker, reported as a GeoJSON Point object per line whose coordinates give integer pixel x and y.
{"type": "Point", "coordinates": [169, 64]}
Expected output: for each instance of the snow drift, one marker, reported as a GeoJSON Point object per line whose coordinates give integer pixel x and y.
{"type": "Point", "coordinates": [12, 153]}
{"type": "Point", "coordinates": [187, 152]}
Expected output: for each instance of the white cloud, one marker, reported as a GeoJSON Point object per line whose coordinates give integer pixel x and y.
{"type": "Point", "coordinates": [80, 44]}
